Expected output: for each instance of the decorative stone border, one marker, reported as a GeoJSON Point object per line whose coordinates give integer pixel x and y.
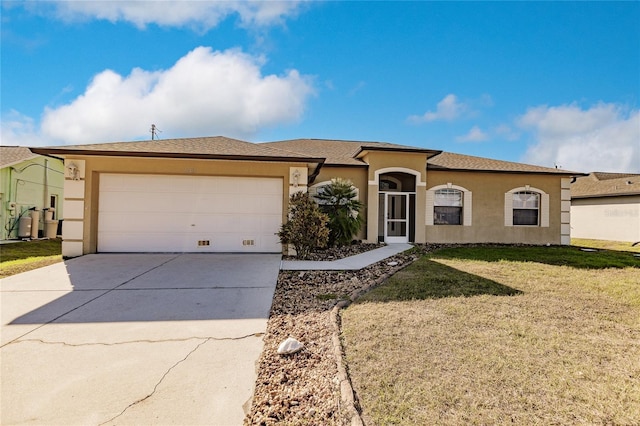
{"type": "Point", "coordinates": [347, 394]}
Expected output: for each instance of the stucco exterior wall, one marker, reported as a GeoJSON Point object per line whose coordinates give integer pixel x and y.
{"type": "Point", "coordinates": [357, 176]}
{"type": "Point", "coordinates": [82, 197]}
{"type": "Point", "coordinates": [606, 218]}
{"type": "Point", "coordinates": [29, 184]}
{"type": "Point", "coordinates": [381, 162]}
{"type": "Point", "coordinates": [486, 222]}
{"type": "Point", "coordinates": [488, 208]}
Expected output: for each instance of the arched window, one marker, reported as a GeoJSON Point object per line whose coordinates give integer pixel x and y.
{"type": "Point", "coordinates": [447, 207]}
{"type": "Point", "coordinates": [526, 208]}
{"type": "Point", "coordinates": [388, 185]}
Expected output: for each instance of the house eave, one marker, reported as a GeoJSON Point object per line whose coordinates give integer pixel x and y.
{"type": "Point", "coordinates": [173, 155]}
{"type": "Point", "coordinates": [526, 172]}
{"type": "Point", "coordinates": [429, 152]}
{"type": "Point", "coordinates": [611, 195]}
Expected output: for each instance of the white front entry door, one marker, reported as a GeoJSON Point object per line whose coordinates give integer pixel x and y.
{"type": "Point", "coordinates": [396, 206]}
{"type": "Point", "coordinates": [169, 213]}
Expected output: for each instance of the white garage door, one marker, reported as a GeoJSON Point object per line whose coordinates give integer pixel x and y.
{"type": "Point", "coordinates": [153, 213]}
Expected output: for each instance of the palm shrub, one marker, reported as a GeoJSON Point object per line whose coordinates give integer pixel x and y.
{"type": "Point", "coordinates": [338, 201]}
{"type": "Point", "coordinates": [306, 228]}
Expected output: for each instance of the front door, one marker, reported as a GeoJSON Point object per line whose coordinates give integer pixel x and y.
{"type": "Point", "coordinates": [396, 212]}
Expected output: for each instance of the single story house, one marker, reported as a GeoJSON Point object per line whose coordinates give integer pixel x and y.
{"type": "Point", "coordinates": [28, 181]}
{"type": "Point", "coordinates": [606, 206]}
{"type": "Point", "coordinates": [217, 194]}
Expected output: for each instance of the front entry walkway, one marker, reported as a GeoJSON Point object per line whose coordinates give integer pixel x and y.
{"type": "Point", "coordinates": [134, 339]}
{"type": "Point", "coordinates": [351, 263]}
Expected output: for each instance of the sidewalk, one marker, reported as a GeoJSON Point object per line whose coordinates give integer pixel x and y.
{"type": "Point", "coordinates": [352, 263]}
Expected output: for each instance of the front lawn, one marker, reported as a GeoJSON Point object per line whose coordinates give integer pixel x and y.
{"type": "Point", "coordinates": [606, 245]}
{"type": "Point", "coordinates": [500, 335]}
{"type": "Point", "coordinates": [27, 255]}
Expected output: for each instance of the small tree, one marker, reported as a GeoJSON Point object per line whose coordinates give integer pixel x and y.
{"type": "Point", "coordinates": [306, 228]}
{"type": "Point", "coordinates": [338, 201]}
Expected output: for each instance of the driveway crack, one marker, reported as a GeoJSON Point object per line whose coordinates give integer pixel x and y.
{"type": "Point", "coordinates": [93, 299]}
{"type": "Point", "coordinates": [155, 388]}
{"type": "Point", "coordinates": [128, 342]}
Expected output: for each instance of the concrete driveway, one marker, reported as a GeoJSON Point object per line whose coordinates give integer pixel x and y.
{"type": "Point", "coordinates": [134, 339]}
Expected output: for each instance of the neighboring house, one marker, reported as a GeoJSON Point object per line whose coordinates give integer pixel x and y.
{"type": "Point", "coordinates": [218, 194]}
{"type": "Point", "coordinates": [27, 180]}
{"type": "Point", "coordinates": [606, 206]}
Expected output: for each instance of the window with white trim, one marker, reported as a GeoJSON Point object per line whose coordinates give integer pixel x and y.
{"type": "Point", "coordinates": [526, 208]}
{"type": "Point", "coordinates": [447, 207]}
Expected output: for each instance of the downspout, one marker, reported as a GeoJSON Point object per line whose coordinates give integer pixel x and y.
{"type": "Point", "coordinates": [6, 226]}
{"type": "Point", "coordinates": [45, 196]}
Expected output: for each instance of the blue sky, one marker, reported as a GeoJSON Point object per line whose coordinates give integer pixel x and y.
{"type": "Point", "coordinates": [549, 83]}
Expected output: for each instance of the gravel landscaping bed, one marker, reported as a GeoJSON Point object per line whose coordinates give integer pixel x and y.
{"type": "Point", "coordinates": [303, 388]}
{"type": "Point", "coordinates": [336, 253]}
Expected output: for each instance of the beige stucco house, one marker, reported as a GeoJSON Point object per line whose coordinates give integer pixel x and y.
{"type": "Point", "coordinates": [606, 206]}
{"type": "Point", "coordinates": [217, 194]}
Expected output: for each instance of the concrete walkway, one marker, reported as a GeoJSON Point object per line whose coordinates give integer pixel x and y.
{"type": "Point", "coordinates": [352, 263]}
{"type": "Point", "coordinates": [134, 339]}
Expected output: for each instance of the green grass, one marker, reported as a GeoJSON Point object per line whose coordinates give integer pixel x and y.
{"type": "Point", "coordinates": [429, 279]}
{"type": "Point", "coordinates": [606, 245]}
{"type": "Point", "coordinates": [500, 335]}
{"type": "Point", "coordinates": [327, 296]}
{"type": "Point", "coordinates": [27, 255]}
{"type": "Point", "coordinates": [426, 279]}
{"type": "Point", "coordinates": [552, 255]}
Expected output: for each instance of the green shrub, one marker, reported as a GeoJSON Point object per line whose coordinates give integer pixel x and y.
{"type": "Point", "coordinates": [306, 228]}
{"type": "Point", "coordinates": [338, 201]}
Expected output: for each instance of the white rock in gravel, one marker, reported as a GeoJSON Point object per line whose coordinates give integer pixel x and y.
{"type": "Point", "coordinates": [392, 263]}
{"type": "Point", "coordinates": [289, 346]}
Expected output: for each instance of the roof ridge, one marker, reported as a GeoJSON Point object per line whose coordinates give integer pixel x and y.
{"type": "Point", "coordinates": [195, 147]}
{"type": "Point", "coordinates": [325, 140]}
{"type": "Point", "coordinates": [612, 175]}
{"type": "Point", "coordinates": [454, 161]}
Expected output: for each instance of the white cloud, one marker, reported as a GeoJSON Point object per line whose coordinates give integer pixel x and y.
{"type": "Point", "coordinates": [604, 137]}
{"type": "Point", "coordinates": [448, 109]}
{"type": "Point", "coordinates": [19, 130]}
{"type": "Point", "coordinates": [506, 132]}
{"type": "Point", "coordinates": [474, 135]}
{"type": "Point", "coordinates": [201, 15]}
{"type": "Point", "coordinates": [205, 93]}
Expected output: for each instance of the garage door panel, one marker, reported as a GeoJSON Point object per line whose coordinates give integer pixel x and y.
{"type": "Point", "coordinates": [137, 183]}
{"type": "Point", "coordinates": [186, 223]}
{"type": "Point", "coordinates": [236, 224]}
{"type": "Point", "coordinates": [175, 213]}
{"type": "Point", "coordinates": [271, 222]}
{"type": "Point", "coordinates": [138, 222]}
{"type": "Point", "coordinates": [188, 242]}
{"type": "Point", "coordinates": [135, 202]}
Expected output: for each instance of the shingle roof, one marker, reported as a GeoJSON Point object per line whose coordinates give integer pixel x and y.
{"type": "Point", "coordinates": [329, 151]}
{"type": "Point", "coordinates": [205, 147]}
{"type": "Point", "coordinates": [600, 184]}
{"type": "Point", "coordinates": [340, 152]}
{"type": "Point", "coordinates": [451, 161]}
{"type": "Point", "coordinates": [10, 155]}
